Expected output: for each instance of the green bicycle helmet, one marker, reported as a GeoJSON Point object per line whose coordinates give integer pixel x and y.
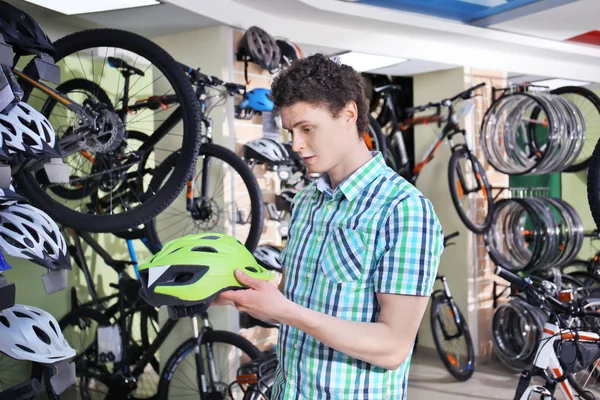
{"type": "Point", "coordinates": [192, 270]}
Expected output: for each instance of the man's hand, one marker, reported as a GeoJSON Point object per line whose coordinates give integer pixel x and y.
{"type": "Point", "coordinates": [262, 299]}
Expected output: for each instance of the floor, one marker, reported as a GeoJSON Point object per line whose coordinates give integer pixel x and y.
{"type": "Point", "coordinates": [430, 380]}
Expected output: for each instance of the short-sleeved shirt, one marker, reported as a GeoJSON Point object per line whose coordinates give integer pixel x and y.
{"type": "Point", "coordinates": [375, 233]}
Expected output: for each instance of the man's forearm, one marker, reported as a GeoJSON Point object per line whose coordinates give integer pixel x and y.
{"type": "Point", "coordinates": [372, 342]}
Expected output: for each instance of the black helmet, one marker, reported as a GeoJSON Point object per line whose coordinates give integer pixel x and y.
{"type": "Point", "coordinates": [289, 52]}
{"type": "Point", "coordinates": [22, 32]}
{"type": "Point", "coordinates": [258, 46]}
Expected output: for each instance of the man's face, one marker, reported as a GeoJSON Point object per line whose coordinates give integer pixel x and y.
{"type": "Point", "coordinates": [320, 139]}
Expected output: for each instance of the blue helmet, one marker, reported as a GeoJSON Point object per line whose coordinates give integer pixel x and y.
{"type": "Point", "coordinates": [258, 100]}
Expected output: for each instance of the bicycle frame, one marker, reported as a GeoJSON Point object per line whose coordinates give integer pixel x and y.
{"type": "Point", "coordinates": [68, 144]}
{"type": "Point", "coordinates": [548, 366]}
{"type": "Point", "coordinates": [396, 139]}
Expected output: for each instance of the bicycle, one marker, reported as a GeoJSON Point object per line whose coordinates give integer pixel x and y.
{"type": "Point", "coordinates": [131, 368]}
{"type": "Point", "coordinates": [466, 177]}
{"type": "Point", "coordinates": [206, 193]}
{"type": "Point", "coordinates": [564, 350]}
{"type": "Point", "coordinates": [449, 327]}
{"type": "Point", "coordinates": [94, 140]}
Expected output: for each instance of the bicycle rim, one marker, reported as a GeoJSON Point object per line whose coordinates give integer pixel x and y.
{"type": "Point", "coordinates": [452, 340]}
{"type": "Point", "coordinates": [231, 204]}
{"type": "Point", "coordinates": [119, 179]}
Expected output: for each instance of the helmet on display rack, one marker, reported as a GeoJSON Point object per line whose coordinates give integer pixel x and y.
{"type": "Point", "coordinates": [8, 196]}
{"type": "Point", "coordinates": [27, 232]}
{"type": "Point", "coordinates": [289, 52]}
{"type": "Point", "coordinates": [22, 32]}
{"type": "Point", "coordinates": [192, 270]}
{"type": "Point", "coordinates": [283, 200]}
{"type": "Point", "coordinates": [258, 100]}
{"type": "Point", "coordinates": [258, 46]}
{"type": "Point", "coordinates": [25, 130]}
{"type": "Point", "coordinates": [265, 150]}
{"type": "Point", "coordinates": [29, 333]}
{"type": "Point", "coordinates": [267, 256]}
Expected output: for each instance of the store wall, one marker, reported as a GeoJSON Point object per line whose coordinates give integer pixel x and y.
{"type": "Point", "coordinates": [211, 49]}
{"type": "Point", "coordinates": [574, 192]}
{"type": "Point", "coordinates": [433, 183]}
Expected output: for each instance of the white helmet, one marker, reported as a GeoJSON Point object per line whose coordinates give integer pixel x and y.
{"type": "Point", "coordinates": [267, 256]}
{"type": "Point", "coordinates": [283, 200]}
{"type": "Point", "coordinates": [29, 233]}
{"type": "Point", "coordinates": [8, 196]}
{"type": "Point", "coordinates": [28, 333]}
{"type": "Point", "coordinates": [265, 150]}
{"type": "Point", "coordinates": [25, 130]}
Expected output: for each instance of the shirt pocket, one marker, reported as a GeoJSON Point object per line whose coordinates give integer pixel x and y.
{"type": "Point", "coordinates": [344, 255]}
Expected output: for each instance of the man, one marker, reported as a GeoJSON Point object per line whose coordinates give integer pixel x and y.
{"type": "Point", "coordinates": [362, 252]}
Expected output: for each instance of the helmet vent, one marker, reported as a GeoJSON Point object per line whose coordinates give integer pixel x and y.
{"type": "Point", "coordinates": [176, 250]}
{"type": "Point", "coordinates": [205, 249]}
{"type": "Point", "coordinates": [251, 269]}
{"type": "Point", "coordinates": [184, 277]}
{"type": "Point", "coordinates": [10, 128]}
{"type": "Point", "coordinates": [210, 237]}
{"type": "Point", "coordinates": [24, 348]}
{"type": "Point", "coordinates": [4, 321]}
{"type": "Point", "coordinates": [21, 315]}
{"type": "Point", "coordinates": [53, 327]}
{"type": "Point", "coordinates": [43, 336]}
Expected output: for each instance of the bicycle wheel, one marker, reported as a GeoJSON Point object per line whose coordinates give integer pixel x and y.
{"type": "Point", "coordinates": [593, 184]}
{"type": "Point", "coordinates": [452, 341]}
{"type": "Point", "coordinates": [228, 349]}
{"type": "Point", "coordinates": [115, 202]}
{"type": "Point", "coordinates": [470, 191]}
{"type": "Point", "coordinates": [229, 201]}
{"type": "Point", "coordinates": [80, 327]}
{"type": "Point", "coordinates": [375, 137]}
{"type": "Point", "coordinates": [589, 105]}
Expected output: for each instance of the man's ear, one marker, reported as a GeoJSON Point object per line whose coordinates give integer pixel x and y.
{"type": "Point", "coordinates": [350, 112]}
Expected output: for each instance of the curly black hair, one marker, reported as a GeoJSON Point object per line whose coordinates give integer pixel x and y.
{"type": "Point", "coordinates": [318, 80]}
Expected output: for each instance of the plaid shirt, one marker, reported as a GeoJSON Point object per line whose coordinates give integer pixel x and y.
{"type": "Point", "coordinates": [375, 233]}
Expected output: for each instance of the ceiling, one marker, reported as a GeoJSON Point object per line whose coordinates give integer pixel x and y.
{"type": "Point", "coordinates": [151, 21]}
{"type": "Point", "coordinates": [529, 40]}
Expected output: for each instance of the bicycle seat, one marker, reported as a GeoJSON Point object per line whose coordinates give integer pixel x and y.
{"type": "Point", "coordinates": [122, 66]}
{"type": "Point", "coordinates": [387, 88]}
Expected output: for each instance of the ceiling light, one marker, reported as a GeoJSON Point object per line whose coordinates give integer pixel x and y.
{"type": "Point", "coordinates": [70, 7]}
{"type": "Point", "coordinates": [363, 62]}
{"type": "Point", "coordinates": [556, 83]}
{"type": "Point", "coordinates": [486, 3]}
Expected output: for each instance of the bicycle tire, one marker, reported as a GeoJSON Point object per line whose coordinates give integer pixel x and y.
{"type": "Point", "coordinates": [241, 168]}
{"type": "Point", "coordinates": [71, 318]}
{"type": "Point", "coordinates": [190, 140]}
{"type": "Point", "coordinates": [593, 184]}
{"type": "Point", "coordinates": [438, 338]}
{"type": "Point", "coordinates": [595, 100]}
{"type": "Point", "coordinates": [583, 393]}
{"type": "Point", "coordinates": [88, 314]}
{"type": "Point", "coordinates": [481, 178]}
{"type": "Point", "coordinates": [187, 347]}
{"type": "Point", "coordinates": [377, 133]}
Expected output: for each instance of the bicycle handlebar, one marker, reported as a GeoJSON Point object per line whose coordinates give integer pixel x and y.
{"type": "Point", "coordinates": [525, 285]}
{"type": "Point", "coordinates": [467, 94]}
{"type": "Point", "coordinates": [198, 78]}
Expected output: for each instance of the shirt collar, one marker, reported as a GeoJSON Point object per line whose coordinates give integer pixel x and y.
{"type": "Point", "coordinates": [357, 181]}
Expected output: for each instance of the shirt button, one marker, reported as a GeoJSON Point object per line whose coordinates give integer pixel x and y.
{"type": "Point", "coordinates": [319, 238]}
{"type": "Point", "coordinates": [295, 345]}
{"type": "Point", "coordinates": [309, 275]}
{"type": "Point", "coordinates": [330, 207]}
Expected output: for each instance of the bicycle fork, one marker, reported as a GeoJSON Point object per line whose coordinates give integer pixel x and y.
{"type": "Point", "coordinates": [453, 310]}
{"type": "Point", "coordinates": [201, 375]}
